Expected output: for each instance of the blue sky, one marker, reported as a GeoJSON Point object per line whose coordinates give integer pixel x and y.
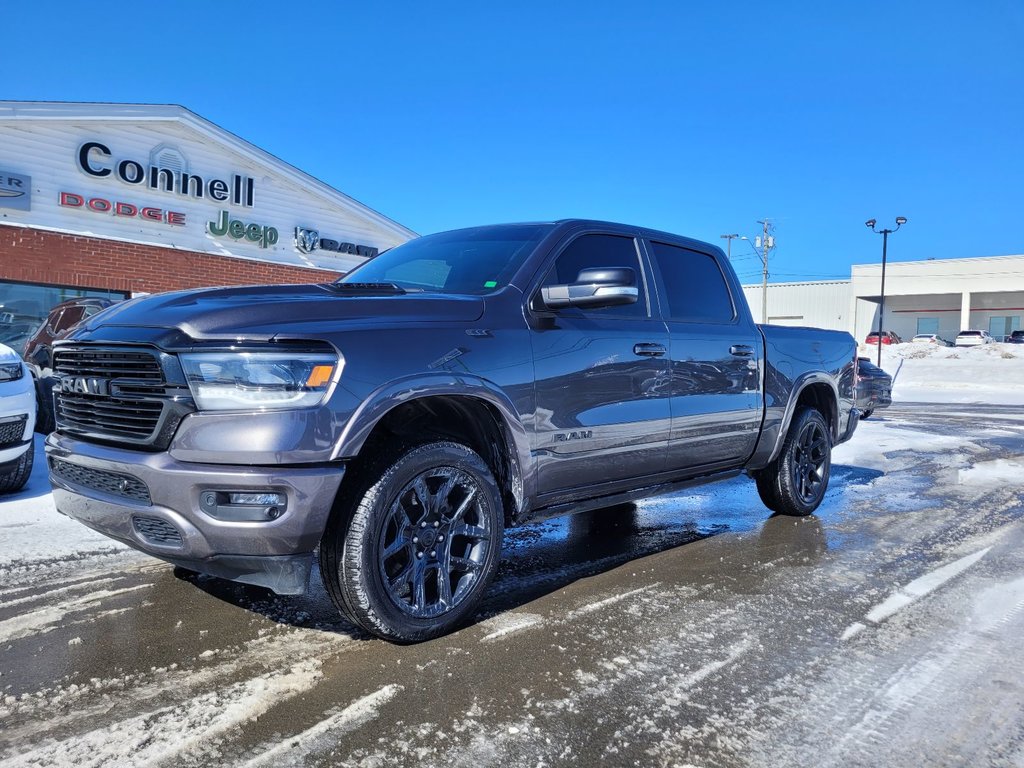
{"type": "Point", "coordinates": [695, 118]}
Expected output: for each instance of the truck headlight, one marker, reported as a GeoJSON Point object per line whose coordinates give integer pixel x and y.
{"type": "Point", "coordinates": [11, 371]}
{"type": "Point", "coordinates": [248, 381]}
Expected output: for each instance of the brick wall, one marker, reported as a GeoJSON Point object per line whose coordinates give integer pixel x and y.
{"type": "Point", "coordinates": [36, 256]}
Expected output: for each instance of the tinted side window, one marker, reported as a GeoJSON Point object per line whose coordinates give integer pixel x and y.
{"type": "Point", "coordinates": [601, 251]}
{"type": "Point", "coordinates": [53, 322]}
{"type": "Point", "coordinates": [694, 285]}
{"type": "Point", "coordinates": [71, 317]}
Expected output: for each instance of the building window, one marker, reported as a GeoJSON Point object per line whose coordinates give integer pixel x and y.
{"type": "Point", "coordinates": [1000, 326]}
{"type": "Point", "coordinates": [927, 325]}
{"type": "Point", "coordinates": [24, 308]}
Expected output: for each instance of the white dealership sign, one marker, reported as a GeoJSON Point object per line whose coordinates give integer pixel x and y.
{"type": "Point", "coordinates": [161, 175]}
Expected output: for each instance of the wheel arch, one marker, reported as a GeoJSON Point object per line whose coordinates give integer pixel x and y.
{"type": "Point", "coordinates": [471, 410]}
{"type": "Point", "coordinates": [817, 390]}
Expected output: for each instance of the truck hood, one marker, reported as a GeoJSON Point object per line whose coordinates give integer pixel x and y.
{"type": "Point", "coordinates": [266, 311]}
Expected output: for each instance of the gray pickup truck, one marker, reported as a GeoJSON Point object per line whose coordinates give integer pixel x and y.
{"type": "Point", "coordinates": [398, 420]}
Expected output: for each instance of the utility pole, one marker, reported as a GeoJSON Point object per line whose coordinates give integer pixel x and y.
{"type": "Point", "coordinates": [766, 242]}
{"type": "Point", "coordinates": [728, 247]}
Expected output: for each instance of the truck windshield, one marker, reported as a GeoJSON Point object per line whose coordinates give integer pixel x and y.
{"type": "Point", "coordinates": [464, 261]}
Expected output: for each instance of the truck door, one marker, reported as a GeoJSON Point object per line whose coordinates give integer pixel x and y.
{"type": "Point", "coordinates": [715, 355]}
{"type": "Point", "coordinates": [602, 408]}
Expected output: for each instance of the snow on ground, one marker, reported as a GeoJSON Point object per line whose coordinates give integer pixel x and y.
{"type": "Point", "coordinates": [31, 529]}
{"type": "Point", "coordinates": [998, 472]}
{"type": "Point", "coordinates": [988, 373]}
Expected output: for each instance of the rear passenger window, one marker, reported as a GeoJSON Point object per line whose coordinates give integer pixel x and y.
{"type": "Point", "coordinates": [694, 285]}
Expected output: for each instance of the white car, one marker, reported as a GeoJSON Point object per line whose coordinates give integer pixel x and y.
{"type": "Point", "coordinates": [929, 338]}
{"type": "Point", "coordinates": [973, 338]}
{"type": "Point", "coordinates": [17, 420]}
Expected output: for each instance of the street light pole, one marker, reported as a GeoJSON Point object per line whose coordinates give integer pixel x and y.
{"type": "Point", "coordinates": [870, 223]}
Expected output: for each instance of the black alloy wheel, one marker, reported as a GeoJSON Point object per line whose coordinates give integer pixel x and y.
{"type": "Point", "coordinates": [434, 542]}
{"type": "Point", "coordinates": [796, 481]}
{"type": "Point", "coordinates": [409, 556]}
{"type": "Point", "coordinates": [810, 455]}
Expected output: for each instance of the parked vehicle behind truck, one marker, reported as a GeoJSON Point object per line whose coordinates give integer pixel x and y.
{"type": "Point", "coordinates": [17, 421]}
{"type": "Point", "coordinates": [398, 420]}
{"type": "Point", "coordinates": [38, 349]}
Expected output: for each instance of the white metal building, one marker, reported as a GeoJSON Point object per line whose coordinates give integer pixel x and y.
{"type": "Point", "coordinates": [942, 296]}
{"type": "Point", "coordinates": [823, 304]}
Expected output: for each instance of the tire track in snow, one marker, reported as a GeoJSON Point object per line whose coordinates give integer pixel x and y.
{"type": "Point", "coordinates": [914, 591]}
{"type": "Point", "coordinates": [608, 601]}
{"type": "Point", "coordinates": [75, 705]}
{"type": "Point", "coordinates": [46, 619]}
{"type": "Point", "coordinates": [294, 750]}
{"type": "Point", "coordinates": [938, 679]}
{"type": "Point", "coordinates": [46, 595]}
{"type": "Point", "coordinates": [192, 727]}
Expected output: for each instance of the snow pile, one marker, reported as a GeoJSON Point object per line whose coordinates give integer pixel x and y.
{"type": "Point", "coordinates": [988, 373]}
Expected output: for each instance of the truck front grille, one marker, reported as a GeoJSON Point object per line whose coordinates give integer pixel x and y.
{"type": "Point", "coordinates": [112, 416]}
{"type": "Point", "coordinates": [108, 363]}
{"type": "Point", "coordinates": [157, 531]}
{"type": "Point", "coordinates": [117, 395]}
{"type": "Point", "coordinates": [100, 480]}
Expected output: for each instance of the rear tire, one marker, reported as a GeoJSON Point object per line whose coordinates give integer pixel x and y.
{"type": "Point", "coordinates": [865, 414]}
{"type": "Point", "coordinates": [15, 478]}
{"type": "Point", "coordinates": [795, 483]}
{"type": "Point", "coordinates": [409, 558]}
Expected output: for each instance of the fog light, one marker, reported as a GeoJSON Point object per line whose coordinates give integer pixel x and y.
{"type": "Point", "coordinates": [257, 499]}
{"type": "Point", "coordinates": [243, 506]}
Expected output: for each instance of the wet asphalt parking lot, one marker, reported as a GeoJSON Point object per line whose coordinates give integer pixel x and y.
{"type": "Point", "coordinates": [690, 630]}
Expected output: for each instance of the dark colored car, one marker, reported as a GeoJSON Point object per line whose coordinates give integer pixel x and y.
{"type": "Point", "coordinates": [38, 349]}
{"type": "Point", "coordinates": [888, 337]}
{"type": "Point", "coordinates": [874, 387]}
{"type": "Point", "coordinates": [1016, 337]}
{"type": "Point", "coordinates": [61, 319]}
{"type": "Point", "coordinates": [398, 420]}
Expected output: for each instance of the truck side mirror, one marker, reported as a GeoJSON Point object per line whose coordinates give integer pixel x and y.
{"type": "Point", "coordinates": [594, 288]}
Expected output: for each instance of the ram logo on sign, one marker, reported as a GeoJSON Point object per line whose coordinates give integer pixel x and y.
{"type": "Point", "coordinates": [306, 240]}
{"type": "Point", "coordinates": [15, 191]}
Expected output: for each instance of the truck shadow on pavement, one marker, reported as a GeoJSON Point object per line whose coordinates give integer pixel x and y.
{"type": "Point", "coordinates": [542, 558]}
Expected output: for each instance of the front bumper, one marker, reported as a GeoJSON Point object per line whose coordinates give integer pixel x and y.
{"type": "Point", "coordinates": [151, 502]}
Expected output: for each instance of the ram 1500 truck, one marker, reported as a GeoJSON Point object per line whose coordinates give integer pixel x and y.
{"type": "Point", "coordinates": [398, 420]}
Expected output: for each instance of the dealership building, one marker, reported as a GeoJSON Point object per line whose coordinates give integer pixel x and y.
{"type": "Point", "coordinates": [943, 296]}
{"type": "Point", "coordinates": [116, 200]}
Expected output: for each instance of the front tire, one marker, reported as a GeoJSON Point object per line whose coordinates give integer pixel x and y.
{"type": "Point", "coordinates": [795, 483]}
{"type": "Point", "coordinates": [412, 556]}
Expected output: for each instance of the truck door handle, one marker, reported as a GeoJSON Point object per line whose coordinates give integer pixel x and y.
{"type": "Point", "coordinates": [648, 350]}
{"type": "Point", "coordinates": [741, 350]}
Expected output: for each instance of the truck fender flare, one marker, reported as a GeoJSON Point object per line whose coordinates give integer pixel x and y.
{"type": "Point", "coordinates": [802, 383]}
{"type": "Point", "coordinates": [398, 392]}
